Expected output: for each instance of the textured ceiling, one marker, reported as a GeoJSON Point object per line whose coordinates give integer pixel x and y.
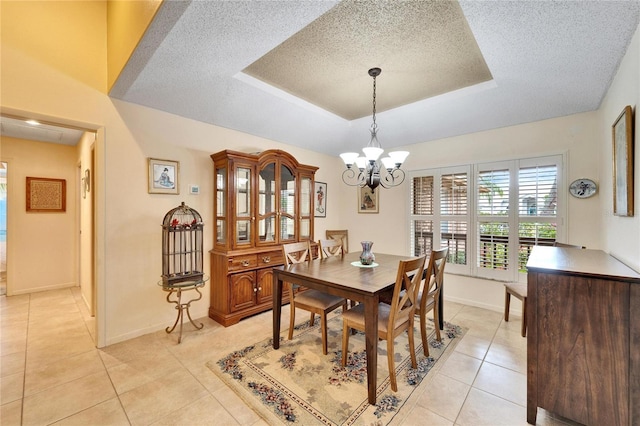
{"type": "Point", "coordinates": [428, 43]}
{"type": "Point", "coordinates": [546, 59]}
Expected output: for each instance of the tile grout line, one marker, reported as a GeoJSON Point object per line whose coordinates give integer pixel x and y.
{"type": "Point", "coordinates": [24, 370]}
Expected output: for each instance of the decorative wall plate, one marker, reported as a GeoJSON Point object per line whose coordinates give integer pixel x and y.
{"type": "Point", "coordinates": [583, 188]}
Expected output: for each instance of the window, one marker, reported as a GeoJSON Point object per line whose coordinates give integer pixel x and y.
{"type": "Point", "coordinates": [439, 201]}
{"type": "Point", "coordinates": [489, 215]}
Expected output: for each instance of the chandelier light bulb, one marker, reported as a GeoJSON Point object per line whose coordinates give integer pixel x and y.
{"type": "Point", "coordinates": [398, 157]}
{"type": "Point", "coordinates": [361, 162]}
{"type": "Point", "coordinates": [349, 158]}
{"type": "Point", "coordinates": [388, 163]}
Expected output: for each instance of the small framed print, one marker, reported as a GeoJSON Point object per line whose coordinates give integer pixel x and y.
{"type": "Point", "coordinates": [622, 130]}
{"type": "Point", "coordinates": [194, 189]}
{"type": "Point", "coordinates": [163, 176]}
{"type": "Point", "coordinates": [46, 195]}
{"type": "Point", "coordinates": [368, 201]}
{"type": "Point", "coordinates": [320, 200]}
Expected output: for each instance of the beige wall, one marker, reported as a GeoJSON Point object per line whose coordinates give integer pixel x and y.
{"type": "Point", "coordinates": [576, 136]}
{"type": "Point", "coordinates": [84, 151]}
{"type": "Point", "coordinates": [42, 248]}
{"type": "Point", "coordinates": [42, 30]}
{"type": "Point", "coordinates": [621, 235]}
{"type": "Point", "coordinates": [128, 219]}
{"type": "Point", "coordinates": [126, 23]}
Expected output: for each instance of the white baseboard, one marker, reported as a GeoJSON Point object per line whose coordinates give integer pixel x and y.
{"type": "Point", "coordinates": [156, 327]}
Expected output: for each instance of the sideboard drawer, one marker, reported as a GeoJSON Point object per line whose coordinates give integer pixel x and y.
{"type": "Point", "coordinates": [272, 258]}
{"type": "Point", "coordinates": [239, 263]}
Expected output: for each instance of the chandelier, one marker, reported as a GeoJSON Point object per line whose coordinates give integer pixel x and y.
{"type": "Point", "coordinates": [372, 171]}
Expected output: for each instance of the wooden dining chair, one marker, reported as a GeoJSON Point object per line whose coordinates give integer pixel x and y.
{"type": "Point", "coordinates": [429, 295]}
{"type": "Point", "coordinates": [339, 234]}
{"type": "Point", "coordinates": [329, 248]}
{"type": "Point", "coordinates": [519, 291]}
{"type": "Point", "coordinates": [313, 301]}
{"type": "Point", "coordinates": [393, 319]}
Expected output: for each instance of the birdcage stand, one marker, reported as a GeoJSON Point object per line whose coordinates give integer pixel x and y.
{"type": "Point", "coordinates": [182, 306]}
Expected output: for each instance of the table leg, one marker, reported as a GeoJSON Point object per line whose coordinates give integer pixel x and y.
{"type": "Point", "coordinates": [188, 305]}
{"type": "Point", "coordinates": [179, 317]}
{"type": "Point", "coordinates": [371, 346]}
{"type": "Point", "coordinates": [441, 309]}
{"type": "Point", "coordinates": [181, 308]}
{"type": "Point", "coordinates": [277, 308]}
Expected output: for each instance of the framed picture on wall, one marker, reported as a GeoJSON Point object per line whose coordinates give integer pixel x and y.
{"type": "Point", "coordinates": [320, 200]}
{"type": "Point", "coordinates": [622, 135]}
{"type": "Point", "coordinates": [46, 195]}
{"type": "Point", "coordinates": [163, 176]}
{"type": "Point", "coordinates": [368, 201]}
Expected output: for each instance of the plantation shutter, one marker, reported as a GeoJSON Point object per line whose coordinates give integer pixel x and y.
{"type": "Point", "coordinates": [492, 212]}
{"type": "Point", "coordinates": [422, 206]}
{"type": "Point", "coordinates": [537, 210]}
{"type": "Point", "coordinates": [454, 216]}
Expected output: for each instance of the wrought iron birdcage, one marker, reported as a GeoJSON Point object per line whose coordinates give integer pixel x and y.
{"type": "Point", "coordinates": [182, 245]}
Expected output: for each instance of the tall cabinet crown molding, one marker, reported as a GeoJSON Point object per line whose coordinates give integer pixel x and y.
{"type": "Point", "coordinates": [260, 201]}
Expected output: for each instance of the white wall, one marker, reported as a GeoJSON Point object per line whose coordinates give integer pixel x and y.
{"type": "Point", "coordinates": [621, 235]}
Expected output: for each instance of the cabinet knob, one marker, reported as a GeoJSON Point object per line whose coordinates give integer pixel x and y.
{"type": "Point", "coordinates": [260, 288]}
{"type": "Point", "coordinates": [245, 263]}
{"type": "Point", "coordinates": [255, 290]}
{"type": "Point", "coordinates": [266, 259]}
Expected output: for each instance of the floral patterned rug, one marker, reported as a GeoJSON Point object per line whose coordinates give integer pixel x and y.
{"type": "Point", "coordinates": [297, 384]}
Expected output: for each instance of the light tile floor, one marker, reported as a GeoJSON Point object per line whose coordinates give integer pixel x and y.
{"type": "Point", "coordinates": [51, 373]}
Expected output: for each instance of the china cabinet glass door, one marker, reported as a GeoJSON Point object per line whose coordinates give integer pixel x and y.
{"type": "Point", "coordinates": [305, 208]}
{"type": "Point", "coordinates": [221, 205]}
{"type": "Point", "coordinates": [267, 207]}
{"type": "Point", "coordinates": [287, 204]}
{"type": "Point", "coordinates": [243, 219]}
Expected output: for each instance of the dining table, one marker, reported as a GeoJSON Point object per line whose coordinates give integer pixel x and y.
{"type": "Point", "coordinates": [343, 276]}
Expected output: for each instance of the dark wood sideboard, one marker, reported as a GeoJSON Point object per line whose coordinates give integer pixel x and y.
{"type": "Point", "coordinates": [583, 338]}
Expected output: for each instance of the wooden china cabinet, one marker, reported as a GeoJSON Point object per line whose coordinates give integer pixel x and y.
{"type": "Point", "coordinates": [260, 202]}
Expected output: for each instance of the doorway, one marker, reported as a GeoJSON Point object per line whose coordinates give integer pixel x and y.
{"type": "Point", "coordinates": [89, 148]}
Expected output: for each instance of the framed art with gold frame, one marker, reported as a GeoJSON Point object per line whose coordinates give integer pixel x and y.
{"type": "Point", "coordinates": [622, 135]}
{"type": "Point", "coordinates": [163, 176]}
{"type": "Point", "coordinates": [46, 195]}
{"type": "Point", "coordinates": [368, 200]}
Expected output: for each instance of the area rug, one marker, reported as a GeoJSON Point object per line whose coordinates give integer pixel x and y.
{"type": "Point", "coordinates": [297, 384]}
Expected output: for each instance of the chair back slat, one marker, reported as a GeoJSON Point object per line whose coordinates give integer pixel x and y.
{"type": "Point", "coordinates": [341, 235]}
{"type": "Point", "coordinates": [296, 252]}
{"type": "Point", "coordinates": [405, 291]}
{"type": "Point", "coordinates": [330, 248]}
{"type": "Point", "coordinates": [434, 276]}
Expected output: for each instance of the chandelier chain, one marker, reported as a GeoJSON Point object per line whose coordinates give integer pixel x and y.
{"type": "Point", "coordinates": [374, 102]}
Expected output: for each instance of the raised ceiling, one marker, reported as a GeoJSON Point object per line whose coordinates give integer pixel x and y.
{"type": "Point", "coordinates": [449, 68]}
{"type": "Point", "coordinates": [428, 43]}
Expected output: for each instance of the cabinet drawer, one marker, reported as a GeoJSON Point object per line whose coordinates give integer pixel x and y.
{"type": "Point", "coordinates": [240, 263]}
{"type": "Point", "coordinates": [272, 258]}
